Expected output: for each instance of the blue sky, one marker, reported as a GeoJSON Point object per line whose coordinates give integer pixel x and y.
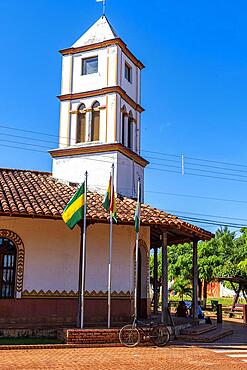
{"type": "Point", "coordinates": [193, 89]}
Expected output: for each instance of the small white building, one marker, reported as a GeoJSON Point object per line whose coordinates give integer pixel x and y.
{"type": "Point", "coordinates": [100, 125]}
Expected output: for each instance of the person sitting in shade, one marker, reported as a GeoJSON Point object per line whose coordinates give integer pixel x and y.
{"type": "Point", "coordinates": [181, 309]}
{"type": "Point", "coordinates": [200, 313]}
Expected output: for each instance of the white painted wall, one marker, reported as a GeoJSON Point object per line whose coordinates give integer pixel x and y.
{"type": "Point", "coordinates": [127, 177]}
{"type": "Point", "coordinates": [132, 88]}
{"type": "Point", "coordinates": [52, 255]}
{"type": "Point", "coordinates": [98, 166]}
{"type": "Point", "coordinates": [74, 82]}
{"type": "Point", "coordinates": [111, 72]}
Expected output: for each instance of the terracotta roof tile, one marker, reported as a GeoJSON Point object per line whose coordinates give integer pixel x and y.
{"type": "Point", "coordinates": [38, 194]}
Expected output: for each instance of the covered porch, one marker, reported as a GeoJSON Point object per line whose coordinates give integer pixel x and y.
{"type": "Point", "coordinates": [163, 236]}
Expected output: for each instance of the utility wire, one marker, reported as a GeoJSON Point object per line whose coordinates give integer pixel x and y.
{"type": "Point", "coordinates": [212, 223]}
{"type": "Point", "coordinates": [145, 151]}
{"type": "Point", "coordinates": [205, 215]}
{"type": "Point", "coordinates": [153, 163]}
{"type": "Point", "coordinates": [148, 168]}
{"type": "Point", "coordinates": [196, 196]}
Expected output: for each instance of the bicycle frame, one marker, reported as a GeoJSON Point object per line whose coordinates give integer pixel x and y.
{"type": "Point", "coordinates": [141, 326]}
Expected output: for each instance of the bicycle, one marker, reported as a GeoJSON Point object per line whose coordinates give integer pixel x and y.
{"type": "Point", "coordinates": [130, 335]}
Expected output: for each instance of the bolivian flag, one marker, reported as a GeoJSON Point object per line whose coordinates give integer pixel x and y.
{"type": "Point", "coordinates": [73, 212]}
{"type": "Point", "coordinates": [109, 202]}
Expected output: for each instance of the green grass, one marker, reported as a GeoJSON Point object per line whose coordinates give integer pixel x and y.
{"type": "Point", "coordinates": [226, 302]}
{"type": "Point", "coordinates": [24, 340]}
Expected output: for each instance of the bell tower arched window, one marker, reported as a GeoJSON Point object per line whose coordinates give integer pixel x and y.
{"type": "Point", "coordinates": [81, 125]}
{"type": "Point", "coordinates": [95, 124]}
{"type": "Point", "coordinates": [7, 268]}
{"type": "Point", "coordinates": [130, 131]}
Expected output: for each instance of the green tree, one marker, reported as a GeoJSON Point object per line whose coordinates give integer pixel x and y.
{"type": "Point", "coordinates": [223, 256]}
{"type": "Point", "coordinates": [212, 256]}
{"type": "Point", "coordinates": [180, 268]}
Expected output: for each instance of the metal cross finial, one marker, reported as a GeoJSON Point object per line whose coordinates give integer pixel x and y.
{"type": "Point", "coordinates": [104, 5]}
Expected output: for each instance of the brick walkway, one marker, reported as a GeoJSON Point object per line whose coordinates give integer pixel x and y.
{"type": "Point", "coordinates": [119, 358]}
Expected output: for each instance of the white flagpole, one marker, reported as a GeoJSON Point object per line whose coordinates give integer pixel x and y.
{"type": "Point", "coordinates": [83, 267]}
{"type": "Point", "coordinates": [137, 250]}
{"type": "Point", "coordinates": [110, 253]}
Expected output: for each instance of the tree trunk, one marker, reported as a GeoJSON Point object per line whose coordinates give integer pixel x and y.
{"type": "Point", "coordinates": [205, 285]}
{"type": "Point", "coordinates": [199, 289]}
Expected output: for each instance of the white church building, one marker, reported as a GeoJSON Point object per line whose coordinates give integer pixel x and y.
{"type": "Point", "coordinates": [100, 125]}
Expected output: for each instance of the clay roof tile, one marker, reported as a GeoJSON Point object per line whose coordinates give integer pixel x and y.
{"type": "Point", "coordinates": [38, 194]}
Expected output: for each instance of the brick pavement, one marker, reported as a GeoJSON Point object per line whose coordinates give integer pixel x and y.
{"type": "Point", "coordinates": [119, 358]}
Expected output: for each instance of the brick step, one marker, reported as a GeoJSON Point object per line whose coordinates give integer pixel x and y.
{"type": "Point", "coordinates": [207, 337]}
{"type": "Point", "coordinates": [198, 329]}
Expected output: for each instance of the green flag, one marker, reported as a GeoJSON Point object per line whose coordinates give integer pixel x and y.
{"type": "Point", "coordinates": [73, 212]}
{"type": "Point", "coordinates": [137, 216]}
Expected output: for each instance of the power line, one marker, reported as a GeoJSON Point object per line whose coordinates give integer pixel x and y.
{"type": "Point", "coordinates": [153, 163]}
{"type": "Point", "coordinates": [29, 138]}
{"type": "Point", "coordinates": [205, 215]}
{"type": "Point", "coordinates": [148, 168]}
{"type": "Point", "coordinates": [212, 222]}
{"type": "Point", "coordinates": [178, 161]}
{"type": "Point", "coordinates": [17, 147]}
{"type": "Point", "coordinates": [196, 196]}
{"type": "Point", "coordinates": [194, 158]}
{"type": "Point", "coordinates": [194, 174]}
{"type": "Point", "coordinates": [157, 164]}
{"type": "Point", "coordinates": [21, 143]}
{"type": "Point", "coordinates": [145, 151]}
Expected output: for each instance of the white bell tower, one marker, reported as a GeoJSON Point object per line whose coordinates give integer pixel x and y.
{"type": "Point", "coordinates": [100, 113]}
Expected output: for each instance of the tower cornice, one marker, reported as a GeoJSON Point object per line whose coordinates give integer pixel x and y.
{"type": "Point", "coordinates": [105, 90]}
{"type": "Point", "coordinates": [101, 148]}
{"type": "Point", "coordinates": [116, 41]}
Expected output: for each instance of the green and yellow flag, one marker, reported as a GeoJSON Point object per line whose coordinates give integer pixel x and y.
{"type": "Point", "coordinates": [109, 202]}
{"type": "Point", "coordinates": [73, 212]}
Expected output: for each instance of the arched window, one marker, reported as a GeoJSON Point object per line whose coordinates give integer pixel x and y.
{"type": "Point", "coordinates": [81, 125]}
{"type": "Point", "coordinates": [130, 131]}
{"type": "Point", "coordinates": [7, 268]}
{"type": "Point", "coordinates": [123, 125]}
{"type": "Point", "coordinates": [95, 122]}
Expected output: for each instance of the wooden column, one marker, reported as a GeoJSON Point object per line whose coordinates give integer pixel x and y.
{"type": "Point", "coordinates": [155, 282]}
{"type": "Point", "coordinates": [164, 316]}
{"type": "Point", "coordinates": [195, 281]}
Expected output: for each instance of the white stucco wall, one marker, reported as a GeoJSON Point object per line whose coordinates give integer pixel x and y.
{"type": "Point", "coordinates": [98, 166]}
{"type": "Point", "coordinates": [52, 255]}
{"type": "Point", "coordinates": [132, 88]}
{"type": "Point", "coordinates": [74, 82]}
{"type": "Point", "coordinates": [111, 72]}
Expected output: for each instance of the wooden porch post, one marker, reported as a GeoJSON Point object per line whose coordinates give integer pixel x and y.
{"type": "Point", "coordinates": [164, 316]}
{"type": "Point", "coordinates": [155, 282]}
{"type": "Point", "coordinates": [195, 281]}
{"type": "Point", "coordinates": [156, 298]}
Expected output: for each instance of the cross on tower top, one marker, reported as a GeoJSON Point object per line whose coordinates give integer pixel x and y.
{"type": "Point", "coordinates": [103, 4]}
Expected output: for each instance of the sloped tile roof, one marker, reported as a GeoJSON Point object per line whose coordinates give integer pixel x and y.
{"type": "Point", "coordinates": [38, 194]}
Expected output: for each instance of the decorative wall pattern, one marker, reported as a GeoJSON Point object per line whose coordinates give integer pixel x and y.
{"type": "Point", "coordinates": [20, 256]}
{"type": "Point", "coordinates": [72, 294]}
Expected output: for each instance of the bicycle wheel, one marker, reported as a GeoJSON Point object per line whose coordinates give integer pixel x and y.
{"type": "Point", "coordinates": [160, 335]}
{"type": "Point", "coordinates": [129, 336]}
